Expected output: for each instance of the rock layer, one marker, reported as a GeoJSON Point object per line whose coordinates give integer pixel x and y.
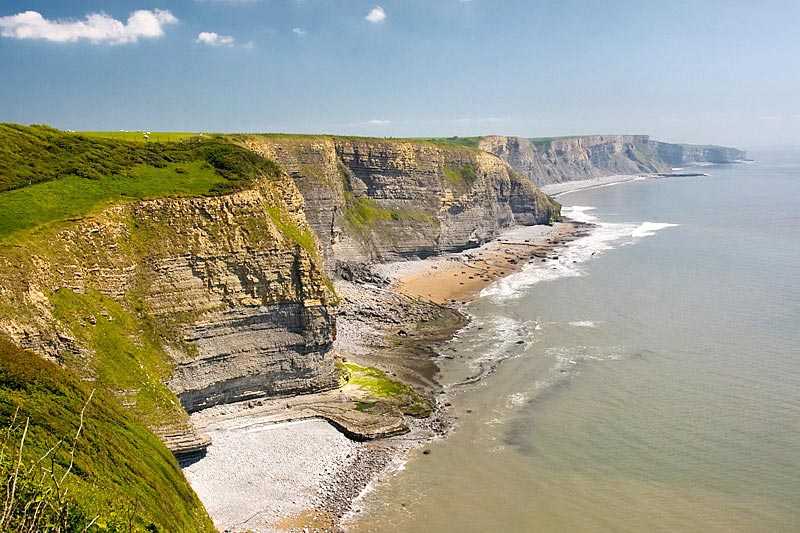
{"type": "Point", "coordinates": [239, 306]}
{"type": "Point", "coordinates": [384, 200]}
{"type": "Point", "coordinates": [560, 159]}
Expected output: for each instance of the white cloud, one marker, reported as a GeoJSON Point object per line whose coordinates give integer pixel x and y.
{"type": "Point", "coordinates": [378, 122]}
{"type": "Point", "coordinates": [376, 14]}
{"type": "Point", "coordinates": [214, 39]}
{"type": "Point", "coordinates": [97, 28]}
{"type": "Point", "coordinates": [300, 32]}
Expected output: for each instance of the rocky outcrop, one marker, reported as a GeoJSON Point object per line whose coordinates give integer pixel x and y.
{"type": "Point", "coordinates": [559, 159]}
{"type": "Point", "coordinates": [377, 200]}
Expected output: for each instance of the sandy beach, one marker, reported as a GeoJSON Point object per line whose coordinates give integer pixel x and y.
{"type": "Point", "coordinates": [458, 278]}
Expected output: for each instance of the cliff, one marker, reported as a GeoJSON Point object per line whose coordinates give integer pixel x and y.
{"type": "Point", "coordinates": [230, 288]}
{"type": "Point", "coordinates": [380, 200]}
{"type": "Point", "coordinates": [559, 159]}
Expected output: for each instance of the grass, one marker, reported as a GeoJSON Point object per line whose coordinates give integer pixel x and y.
{"type": "Point", "coordinates": [34, 154]}
{"type": "Point", "coordinates": [364, 213]}
{"type": "Point", "coordinates": [139, 136]}
{"type": "Point", "coordinates": [128, 357]}
{"type": "Point", "coordinates": [47, 175]}
{"type": "Point", "coordinates": [460, 178]}
{"type": "Point", "coordinates": [73, 197]}
{"type": "Point", "coordinates": [383, 389]}
{"type": "Point", "coordinates": [292, 231]}
{"type": "Point", "coordinates": [468, 142]}
{"type": "Point", "coordinates": [122, 474]}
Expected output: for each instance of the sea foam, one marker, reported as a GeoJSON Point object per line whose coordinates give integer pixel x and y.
{"type": "Point", "coordinates": [604, 236]}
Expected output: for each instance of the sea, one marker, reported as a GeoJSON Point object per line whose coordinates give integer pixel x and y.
{"type": "Point", "coordinates": [646, 380]}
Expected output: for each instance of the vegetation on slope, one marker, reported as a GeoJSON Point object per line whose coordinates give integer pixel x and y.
{"type": "Point", "coordinates": [461, 177]}
{"type": "Point", "coordinates": [48, 175]}
{"type": "Point", "coordinates": [141, 136]}
{"type": "Point", "coordinates": [128, 356]}
{"type": "Point", "coordinates": [468, 142]}
{"type": "Point", "coordinates": [121, 479]}
{"type": "Point", "coordinates": [381, 390]}
{"type": "Point", "coordinates": [364, 214]}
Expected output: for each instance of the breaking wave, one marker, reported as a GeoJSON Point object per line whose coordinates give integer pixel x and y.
{"type": "Point", "coordinates": [604, 236]}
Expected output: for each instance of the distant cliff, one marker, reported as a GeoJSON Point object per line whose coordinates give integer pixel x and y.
{"type": "Point", "coordinates": [559, 159]}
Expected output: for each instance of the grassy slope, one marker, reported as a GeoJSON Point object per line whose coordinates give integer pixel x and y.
{"type": "Point", "coordinates": [47, 175]}
{"type": "Point", "coordinates": [382, 389]}
{"type": "Point", "coordinates": [139, 136]}
{"type": "Point", "coordinates": [120, 467]}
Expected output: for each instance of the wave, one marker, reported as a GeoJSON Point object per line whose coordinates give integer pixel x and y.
{"type": "Point", "coordinates": [604, 236]}
{"type": "Point", "coordinates": [500, 338]}
{"type": "Point", "coordinates": [647, 229]}
{"type": "Point", "coordinates": [583, 324]}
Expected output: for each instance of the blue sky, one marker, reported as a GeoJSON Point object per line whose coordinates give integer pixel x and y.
{"type": "Point", "coordinates": [715, 71]}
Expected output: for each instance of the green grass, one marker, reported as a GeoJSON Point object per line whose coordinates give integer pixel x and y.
{"type": "Point", "coordinates": [121, 470]}
{"type": "Point", "coordinates": [292, 231]}
{"type": "Point", "coordinates": [73, 197]}
{"type": "Point", "coordinates": [138, 136]}
{"type": "Point", "coordinates": [461, 177]}
{"type": "Point", "coordinates": [34, 154]}
{"type": "Point", "coordinates": [468, 142]}
{"type": "Point", "coordinates": [381, 388]}
{"type": "Point", "coordinates": [364, 213]}
{"type": "Point", "coordinates": [47, 175]}
{"type": "Point", "coordinates": [128, 357]}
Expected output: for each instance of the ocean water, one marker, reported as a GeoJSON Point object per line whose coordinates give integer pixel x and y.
{"type": "Point", "coordinates": [648, 380]}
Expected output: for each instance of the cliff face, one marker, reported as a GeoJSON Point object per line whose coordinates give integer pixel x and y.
{"type": "Point", "coordinates": [222, 298]}
{"type": "Point", "coordinates": [562, 159]}
{"type": "Point", "coordinates": [686, 154]}
{"type": "Point", "coordinates": [384, 200]}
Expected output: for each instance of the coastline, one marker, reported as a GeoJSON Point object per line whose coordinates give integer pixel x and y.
{"type": "Point", "coordinates": [320, 472]}
{"type": "Point", "coordinates": [393, 316]}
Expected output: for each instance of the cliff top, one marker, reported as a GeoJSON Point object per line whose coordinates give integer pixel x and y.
{"type": "Point", "coordinates": [48, 175]}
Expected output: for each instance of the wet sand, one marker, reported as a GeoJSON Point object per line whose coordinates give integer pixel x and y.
{"type": "Point", "coordinates": [458, 278]}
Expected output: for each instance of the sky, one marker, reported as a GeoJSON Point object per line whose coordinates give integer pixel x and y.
{"type": "Point", "coordinates": [715, 71]}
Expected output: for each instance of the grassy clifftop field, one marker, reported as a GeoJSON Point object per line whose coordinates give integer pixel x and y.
{"type": "Point", "coordinates": [48, 175]}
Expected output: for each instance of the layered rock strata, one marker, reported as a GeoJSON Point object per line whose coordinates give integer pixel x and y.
{"type": "Point", "coordinates": [378, 200]}
{"type": "Point", "coordinates": [239, 307]}
{"type": "Point", "coordinates": [559, 159]}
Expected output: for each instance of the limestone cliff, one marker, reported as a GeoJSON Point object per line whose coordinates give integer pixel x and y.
{"type": "Point", "coordinates": [370, 199]}
{"type": "Point", "coordinates": [222, 298]}
{"type": "Point", "coordinates": [559, 159]}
